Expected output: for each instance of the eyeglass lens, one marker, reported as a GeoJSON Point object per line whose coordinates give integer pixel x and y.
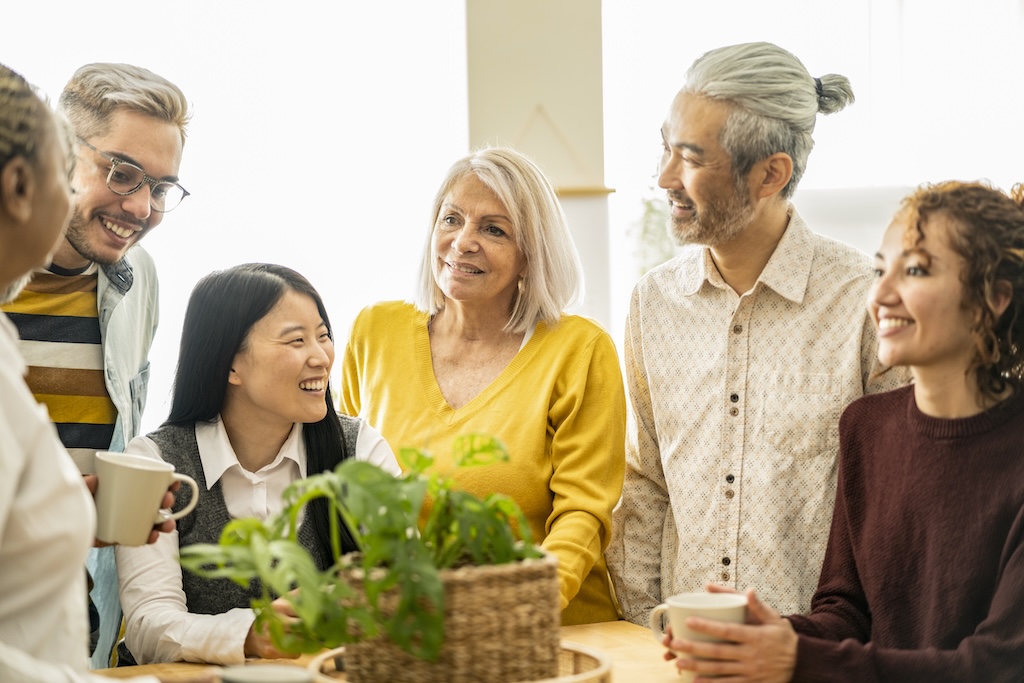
{"type": "Point", "coordinates": [126, 178]}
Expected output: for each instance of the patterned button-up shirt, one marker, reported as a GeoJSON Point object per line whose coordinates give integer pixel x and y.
{"type": "Point", "coordinates": [732, 442]}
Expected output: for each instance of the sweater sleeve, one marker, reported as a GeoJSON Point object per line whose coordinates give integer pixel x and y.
{"type": "Point", "coordinates": [835, 639]}
{"type": "Point", "coordinates": [588, 420]}
{"type": "Point", "coordinates": [994, 652]}
{"type": "Point", "coordinates": [351, 371]}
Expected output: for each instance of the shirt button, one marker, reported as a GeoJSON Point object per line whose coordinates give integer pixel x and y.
{"type": "Point", "coordinates": [734, 411]}
{"type": "Point", "coordinates": [729, 479]}
{"type": "Point", "coordinates": [734, 397]}
{"type": "Point", "coordinates": [725, 576]}
{"type": "Point", "coordinates": [729, 493]}
{"type": "Point", "coordinates": [726, 561]}
{"type": "Point", "coordinates": [736, 329]}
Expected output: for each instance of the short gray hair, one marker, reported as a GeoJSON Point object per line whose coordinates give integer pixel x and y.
{"type": "Point", "coordinates": [96, 91]}
{"type": "Point", "coordinates": [554, 274]}
{"type": "Point", "coordinates": [775, 103]}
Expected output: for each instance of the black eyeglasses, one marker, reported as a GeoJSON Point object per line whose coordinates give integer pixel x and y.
{"type": "Point", "coordinates": [126, 178]}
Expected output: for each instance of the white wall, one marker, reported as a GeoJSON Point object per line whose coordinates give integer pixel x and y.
{"type": "Point", "coordinates": [320, 134]}
{"type": "Point", "coordinates": [588, 221]}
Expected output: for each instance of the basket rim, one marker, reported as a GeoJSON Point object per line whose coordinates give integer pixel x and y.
{"type": "Point", "coordinates": [603, 668]}
{"type": "Point", "coordinates": [476, 570]}
{"type": "Point", "coordinates": [598, 673]}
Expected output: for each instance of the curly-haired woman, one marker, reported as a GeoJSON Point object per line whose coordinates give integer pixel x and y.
{"type": "Point", "coordinates": [923, 579]}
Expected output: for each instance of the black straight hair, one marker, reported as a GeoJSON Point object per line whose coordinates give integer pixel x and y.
{"type": "Point", "coordinates": [221, 311]}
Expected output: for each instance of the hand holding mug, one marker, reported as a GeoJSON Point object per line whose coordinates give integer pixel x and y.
{"type": "Point", "coordinates": [762, 650]}
{"type": "Point", "coordinates": [724, 607]}
{"type": "Point", "coordinates": [129, 495]}
{"type": "Point", "coordinates": [164, 527]}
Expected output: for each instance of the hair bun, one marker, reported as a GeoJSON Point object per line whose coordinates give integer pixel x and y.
{"type": "Point", "coordinates": [834, 93]}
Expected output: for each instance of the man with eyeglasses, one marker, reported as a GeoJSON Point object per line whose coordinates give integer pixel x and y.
{"type": "Point", "coordinates": [87, 321]}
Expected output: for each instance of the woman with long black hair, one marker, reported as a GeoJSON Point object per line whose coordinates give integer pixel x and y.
{"type": "Point", "coordinates": [251, 412]}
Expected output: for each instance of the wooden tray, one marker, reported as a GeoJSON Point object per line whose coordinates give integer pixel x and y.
{"type": "Point", "coordinates": [576, 664]}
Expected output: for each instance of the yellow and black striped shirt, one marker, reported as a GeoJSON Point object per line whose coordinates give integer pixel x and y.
{"type": "Point", "coordinates": [57, 320]}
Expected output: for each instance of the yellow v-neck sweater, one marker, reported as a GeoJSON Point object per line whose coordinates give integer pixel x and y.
{"type": "Point", "coordinates": [559, 407]}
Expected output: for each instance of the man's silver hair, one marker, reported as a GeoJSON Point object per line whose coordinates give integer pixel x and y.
{"type": "Point", "coordinates": [775, 103]}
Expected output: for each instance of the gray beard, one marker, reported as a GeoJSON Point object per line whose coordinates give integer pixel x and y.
{"type": "Point", "coordinates": [718, 224]}
{"type": "Point", "coordinates": [11, 291]}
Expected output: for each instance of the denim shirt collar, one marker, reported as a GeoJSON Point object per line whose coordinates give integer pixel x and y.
{"type": "Point", "coordinates": [120, 276]}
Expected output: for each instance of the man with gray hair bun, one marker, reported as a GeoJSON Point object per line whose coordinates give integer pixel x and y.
{"type": "Point", "coordinates": [740, 353]}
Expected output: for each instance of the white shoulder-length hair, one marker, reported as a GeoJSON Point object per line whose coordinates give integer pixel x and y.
{"type": "Point", "coordinates": [554, 274]}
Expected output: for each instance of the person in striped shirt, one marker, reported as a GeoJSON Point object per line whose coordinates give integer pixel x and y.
{"type": "Point", "coordinates": [87, 320]}
{"type": "Point", "coordinates": [47, 520]}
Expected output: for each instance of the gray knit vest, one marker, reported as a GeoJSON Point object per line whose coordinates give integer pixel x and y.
{"type": "Point", "coordinates": [204, 524]}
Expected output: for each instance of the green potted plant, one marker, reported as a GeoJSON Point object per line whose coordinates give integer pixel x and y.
{"type": "Point", "coordinates": [445, 586]}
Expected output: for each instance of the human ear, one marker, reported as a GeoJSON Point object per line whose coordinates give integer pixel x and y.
{"type": "Point", "coordinates": [1002, 295]}
{"type": "Point", "coordinates": [17, 185]}
{"type": "Point", "coordinates": [774, 174]}
{"type": "Point", "coordinates": [233, 377]}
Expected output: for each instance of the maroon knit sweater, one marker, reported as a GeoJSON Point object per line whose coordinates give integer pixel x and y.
{"type": "Point", "coordinates": [923, 579]}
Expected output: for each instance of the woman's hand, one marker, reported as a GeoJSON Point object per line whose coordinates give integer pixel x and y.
{"type": "Point", "coordinates": [762, 651]}
{"type": "Point", "coordinates": [259, 645]}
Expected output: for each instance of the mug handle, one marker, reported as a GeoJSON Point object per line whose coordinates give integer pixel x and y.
{"type": "Point", "coordinates": [164, 515]}
{"type": "Point", "coordinates": [655, 621]}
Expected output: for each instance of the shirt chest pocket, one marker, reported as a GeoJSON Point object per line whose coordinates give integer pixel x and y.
{"type": "Point", "coordinates": [798, 414]}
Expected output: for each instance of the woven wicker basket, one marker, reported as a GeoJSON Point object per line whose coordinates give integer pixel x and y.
{"type": "Point", "coordinates": [501, 625]}
{"type": "Point", "coordinates": [576, 664]}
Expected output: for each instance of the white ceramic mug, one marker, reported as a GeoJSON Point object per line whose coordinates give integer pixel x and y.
{"type": "Point", "coordinates": [728, 607]}
{"type": "Point", "coordinates": [128, 495]}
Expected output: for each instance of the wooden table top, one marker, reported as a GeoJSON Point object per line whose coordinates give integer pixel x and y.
{"type": "Point", "coordinates": [634, 653]}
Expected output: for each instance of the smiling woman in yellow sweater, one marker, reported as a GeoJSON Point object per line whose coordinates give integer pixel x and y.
{"type": "Point", "coordinates": [486, 348]}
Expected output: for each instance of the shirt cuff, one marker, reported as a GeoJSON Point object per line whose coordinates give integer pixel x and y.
{"type": "Point", "coordinates": [219, 639]}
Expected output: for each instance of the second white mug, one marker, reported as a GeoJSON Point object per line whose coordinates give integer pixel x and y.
{"type": "Point", "coordinates": [728, 607]}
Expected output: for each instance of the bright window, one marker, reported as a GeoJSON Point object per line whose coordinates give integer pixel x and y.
{"type": "Point", "coordinates": [936, 82]}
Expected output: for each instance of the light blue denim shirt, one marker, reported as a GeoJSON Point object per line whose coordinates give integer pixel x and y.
{"type": "Point", "coordinates": [127, 298]}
